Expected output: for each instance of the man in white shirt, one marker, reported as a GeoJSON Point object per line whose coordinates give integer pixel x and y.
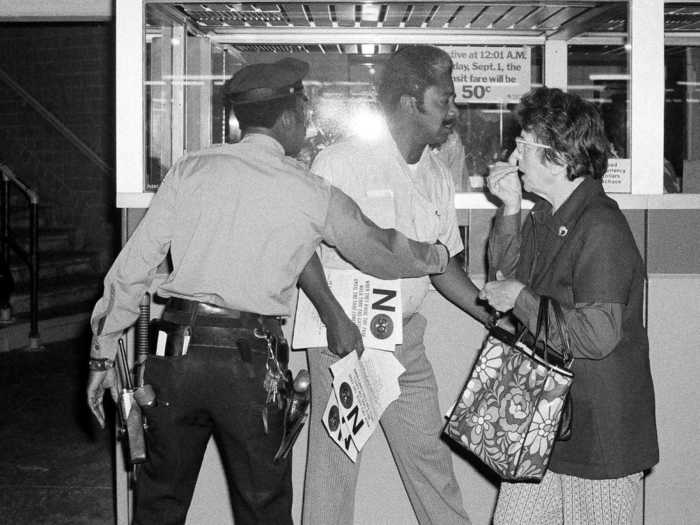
{"type": "Point", "coordinates": [398, 182]}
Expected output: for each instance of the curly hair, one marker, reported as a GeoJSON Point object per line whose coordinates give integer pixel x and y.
{"type": "Point", "coordinates": [410, 71]}
{"type": "Point", "coordinates": [571, 126]}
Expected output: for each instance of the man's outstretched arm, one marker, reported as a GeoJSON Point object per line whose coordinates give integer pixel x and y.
{"type": "Point", "coordinates": [456, 286]}
{"type": "Point", "coordinates": [382, 253]}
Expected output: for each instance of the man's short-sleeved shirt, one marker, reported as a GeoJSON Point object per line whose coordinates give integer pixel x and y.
{"type": "Point", "coordinates": [417, 200]}
{"type": "Point", "coordinates": [228, 215]}
{"type": "Point", "coordinates": [241, 222]}
{"type": "Point", "coordinates": [274, 199]}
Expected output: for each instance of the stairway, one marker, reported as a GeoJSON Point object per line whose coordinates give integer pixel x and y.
{"type": "Point", "coordinates": [69, 284]}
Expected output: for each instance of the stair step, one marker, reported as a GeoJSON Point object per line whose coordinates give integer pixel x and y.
{"type": "Point", "coordinates": [18, 199]}
{"type": "Point", "coordinates": [55, 324]}
{"type": "Point", "coordinates": [20, 215]}
{"type": "Point", "coordinates": [50, 239]}
{"type": "Point", "coordinates": [53, 265]}
{"type": "Point", "coordinates": [56, 292]}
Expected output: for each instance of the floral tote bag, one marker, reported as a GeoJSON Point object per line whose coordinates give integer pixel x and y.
{"type": "Point", "coordinates": [510, 410]}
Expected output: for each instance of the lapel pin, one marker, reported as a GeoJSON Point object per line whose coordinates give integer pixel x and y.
{"type": "Point", "coordinates": [563, 230]}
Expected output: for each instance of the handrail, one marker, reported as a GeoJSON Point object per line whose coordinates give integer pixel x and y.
{"type": "Point", "coordinates": [31, 257]}
{"type": "Point", "coordinates": [55, 122]}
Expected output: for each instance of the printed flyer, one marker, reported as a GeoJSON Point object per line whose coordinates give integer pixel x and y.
{"type": "Point", "coordinates": [362, 389]}
{"type": "Point", "coordinates": [374, 305]}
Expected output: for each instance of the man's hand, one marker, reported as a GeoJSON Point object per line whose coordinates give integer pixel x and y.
{"type": "Point", "coordinates": [502, 293]}
{"type": "Point", "coordinates": [343, 335]}
{"type": "Point", "coordinates": [98, 382]}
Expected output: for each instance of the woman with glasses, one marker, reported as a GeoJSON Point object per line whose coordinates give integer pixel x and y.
{"type": "Point", "coordinates": [575, 245]}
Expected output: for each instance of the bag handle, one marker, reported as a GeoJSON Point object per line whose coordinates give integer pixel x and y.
{"type": "Point", "coordinates": [543, 324]}
{"type": "Point", "coordinates": [542, 318]}
{"type": "Point", "coordinates": [563, 330]}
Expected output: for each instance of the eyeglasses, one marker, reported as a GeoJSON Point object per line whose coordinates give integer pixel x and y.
{"type": "Point", "coordinates": [520, 144]}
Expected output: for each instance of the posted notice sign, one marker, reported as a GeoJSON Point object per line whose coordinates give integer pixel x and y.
{"type": "Point", "coordinates": [618, 177]}
{"type": "Point", "coordinates": [490, 74]}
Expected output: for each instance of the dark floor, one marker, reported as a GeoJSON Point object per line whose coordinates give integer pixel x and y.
{"type": "Point", "coordinates": [55, 463]}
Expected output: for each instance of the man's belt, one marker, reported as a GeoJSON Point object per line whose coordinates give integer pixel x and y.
{"type": "Point", "coordinates": [190, 312]}
{"type": "Point", "coordinates": [206, 323]}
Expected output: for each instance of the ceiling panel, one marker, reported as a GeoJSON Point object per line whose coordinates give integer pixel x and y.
{"type": "Point", "coordinates": [318, 15]}
{"type": "Point", "coordinates": [419, 14]}
{"type": "Point", "coordinates": [443, 15]}
{"type": "Point", "coordinates": [296, 15]}
{"type": "Point", "coordinates": [465, 16]}
{"type": "Point", "coordinates": [488, 16]}
{"type": "Point", "coordinates": [369, 14]}
{"type": "Point", "coordinates": [536, 18]}
{"type": "Point", "coordinates": [395, 14]}
{"type": "Point", "coordinates": [514, 15]}
{"type": "Point", "coordinates": [565, 15]}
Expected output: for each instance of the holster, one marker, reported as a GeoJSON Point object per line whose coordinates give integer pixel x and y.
{"type": "Point", "coordinates": [297, 398]}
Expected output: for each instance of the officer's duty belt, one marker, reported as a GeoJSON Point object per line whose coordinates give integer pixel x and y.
{"type": "Point", "coordinates": [211, 324]}
{"type": "Point", "coordinates": [185, 311]}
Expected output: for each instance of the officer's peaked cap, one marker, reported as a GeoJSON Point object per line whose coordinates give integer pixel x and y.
{"type": "Point", "coordinates": [261, 82]}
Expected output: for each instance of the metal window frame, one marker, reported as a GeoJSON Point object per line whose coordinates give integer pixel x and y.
{"type": "Point", "coordinates": [646, 38]}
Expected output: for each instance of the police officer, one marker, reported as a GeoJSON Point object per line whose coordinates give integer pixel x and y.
{"type": "Point", "coordinates": [241, 221]}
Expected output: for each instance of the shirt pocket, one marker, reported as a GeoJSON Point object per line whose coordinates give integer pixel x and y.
{"type": "Point", "coordinates": [427, 220]}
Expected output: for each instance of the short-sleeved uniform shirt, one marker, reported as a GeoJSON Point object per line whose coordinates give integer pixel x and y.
{"type": "Point", "coordinates": [241, 221]}
{"type": "Point", "coordinates": [417, 200]}
{"type": "Point", "coordinates": [585, 253]}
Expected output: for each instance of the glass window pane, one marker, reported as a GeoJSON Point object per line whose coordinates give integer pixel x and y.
{"type": "Point", "coordinates": [185, 73]}
{"type": "Point", "coordinates": [679, 113]}
{"type": "Point", "coordinates": [488, 130]}
{"type": "Point", "coordinates": [600, 74]}
{"type": "Point", "coordinates": [682, 101]}
{"type": "Point", "coordinates": [340, 85]}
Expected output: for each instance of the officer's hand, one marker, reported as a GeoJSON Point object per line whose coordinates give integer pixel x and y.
{"type": "Point", "coordinates": [98, 382]}
{"type": "Point", "coordinates": [343, 336]}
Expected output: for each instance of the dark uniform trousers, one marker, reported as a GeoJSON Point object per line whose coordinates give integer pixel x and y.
{"type": "Point", "coordinates": [216, 388]}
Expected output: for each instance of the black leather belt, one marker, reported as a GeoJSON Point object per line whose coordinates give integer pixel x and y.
{"type": "Point", "coordinates": [210, 324]}
{"type": "Point", "coordinates": [195, 313]}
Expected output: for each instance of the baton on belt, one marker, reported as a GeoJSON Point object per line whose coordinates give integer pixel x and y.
{"type": "Point", "coordinates": [131, 418]}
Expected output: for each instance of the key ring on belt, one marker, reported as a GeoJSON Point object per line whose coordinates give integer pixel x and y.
{"type": "Point", "coordinates": [261, 333]}
{"type": "Point", "coordinates": [275, 380]}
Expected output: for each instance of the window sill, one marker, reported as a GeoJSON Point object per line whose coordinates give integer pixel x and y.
{"type": "Point", "coordinates": [672, 201]}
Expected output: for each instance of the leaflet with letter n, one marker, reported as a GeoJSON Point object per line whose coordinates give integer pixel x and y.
{"type": "Point", "coordinates": [362, 389]}
{"type": "Point", "coordinates": [374, 305]}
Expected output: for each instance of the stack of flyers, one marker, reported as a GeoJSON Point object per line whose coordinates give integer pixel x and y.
{"type": "Point", "coordinates": [362, 389]}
